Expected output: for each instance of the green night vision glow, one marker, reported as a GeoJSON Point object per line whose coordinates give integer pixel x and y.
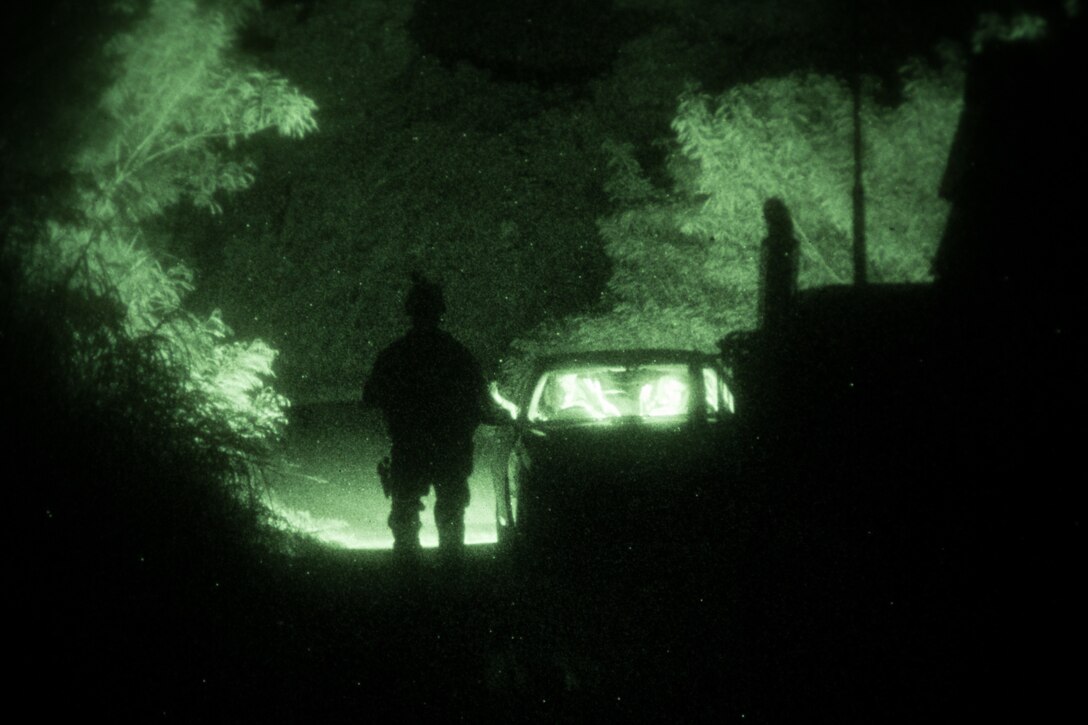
{"type": "Point", "coordinates": [604, 394]}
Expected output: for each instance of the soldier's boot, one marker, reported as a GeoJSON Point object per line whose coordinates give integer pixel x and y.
{"type": "Point", "coordinates": [405, 525]}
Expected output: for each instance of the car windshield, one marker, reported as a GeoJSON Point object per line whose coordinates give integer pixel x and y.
{"type": "Point", "coordinates": [657, 392]}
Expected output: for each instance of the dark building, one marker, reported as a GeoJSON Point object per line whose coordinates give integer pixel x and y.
{"type": "Point", "coordinates": [918, 525]}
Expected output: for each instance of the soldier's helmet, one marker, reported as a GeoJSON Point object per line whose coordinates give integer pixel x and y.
{"type": "Point", "coordinates": [425, 301]}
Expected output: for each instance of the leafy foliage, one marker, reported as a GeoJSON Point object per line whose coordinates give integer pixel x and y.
{"type": "Point", "coordinates": [685, 258]}
{"type": "Point", "coordinates": [791, 137]}
{"type": "Point", "coordinates": [177, 93]}
{"type": "Point", "coordinates": [491, 188]}
{"type": "Point", "coordinates": [167, 124]}
{"type": "Point", "coordinates": [144, 543]}
{"type": "Point", "coordinates": [139, 427]}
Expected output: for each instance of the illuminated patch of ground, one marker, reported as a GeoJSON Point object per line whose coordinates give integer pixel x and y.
{"type": "Point", "coordinates": [326, 483]}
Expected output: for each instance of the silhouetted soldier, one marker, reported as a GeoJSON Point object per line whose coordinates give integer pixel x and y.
{"type": "Point", "coordinates": [778, 266]}
{"type": "Point", "coordinates": [432, 395]}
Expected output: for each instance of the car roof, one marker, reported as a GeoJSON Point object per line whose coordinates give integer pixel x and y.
{"type": "Point", "coordinates": [641, 356]}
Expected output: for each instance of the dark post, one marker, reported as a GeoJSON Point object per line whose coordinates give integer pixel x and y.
{"type": "Point", "coordinates": [860, 261]}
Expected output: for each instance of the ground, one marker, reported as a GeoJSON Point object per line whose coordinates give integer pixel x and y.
{"type": "Point", "coordinates": [325, 480]}
{"type": "Point", "coordinates": [708, 632]}
{"type": "Point", "coordinates": [510, 637]}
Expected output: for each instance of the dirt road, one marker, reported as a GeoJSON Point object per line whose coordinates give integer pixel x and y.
{"type": "Point", "coordinates": [325, 482]}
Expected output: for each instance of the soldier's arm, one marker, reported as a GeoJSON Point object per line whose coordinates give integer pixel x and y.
{"type": "Point", "coordinates": [487, 410]}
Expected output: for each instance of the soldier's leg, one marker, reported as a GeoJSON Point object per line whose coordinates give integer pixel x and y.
{"type": "Point", "coordinates": [407, 487]}
{"type": "Point", "coordinates": [451, 500]}
{"type": "Point", "coordinates": [452, 496]}
{"type": "Point", "coordinates": [404, 522]}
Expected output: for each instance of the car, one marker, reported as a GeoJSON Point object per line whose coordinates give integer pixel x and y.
{"type": "Point", "coordinates": [610, 446]}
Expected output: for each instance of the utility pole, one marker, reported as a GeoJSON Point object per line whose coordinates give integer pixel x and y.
{"type": "Point", "coordinates": [861, 264]}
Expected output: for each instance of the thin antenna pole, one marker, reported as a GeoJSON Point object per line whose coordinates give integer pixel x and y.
{"type": "Point", "coordinates": [860, 257]}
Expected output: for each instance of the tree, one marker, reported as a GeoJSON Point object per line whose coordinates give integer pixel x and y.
{"type": "Point", "coordinates": [136, 425]}
{"type": "Point", "coordinates": [491, 188]}
{"type": "Point", "coordinates": [685, 257]}
{"type": "Point", "coordinates": [790, 137]}
{"type": "Point", "coordinates": [166, 131]}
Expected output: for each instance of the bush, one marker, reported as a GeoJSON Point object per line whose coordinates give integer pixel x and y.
{"type": "Point", "coordinates": [138, 527]}
{"type": "Point", "coordinates": [139, 430]}
{"type": "Point", "coordinates": [685, 258]}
